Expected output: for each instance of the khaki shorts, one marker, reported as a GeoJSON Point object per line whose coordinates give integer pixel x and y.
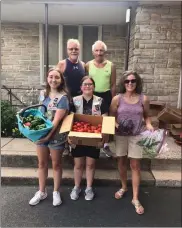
{"type": "Point", "coordinates": [126, 145]}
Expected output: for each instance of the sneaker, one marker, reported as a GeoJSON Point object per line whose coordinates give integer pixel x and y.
{"type": "Point", "coordinates": [38, 197]}
{"type": "Point", "coordinates": [107, 151]}
{"type": "Point", "coordinates": [75, 193]}
{"type": "Point", "coordinates": [56, 198]}
{"type": "Point", "coordinates": [89, 195]}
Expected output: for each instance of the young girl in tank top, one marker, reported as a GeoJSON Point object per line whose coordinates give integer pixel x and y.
{"type": "Point", "coordinates": [56, 100]}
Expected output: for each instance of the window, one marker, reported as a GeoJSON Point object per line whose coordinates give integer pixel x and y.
{"type": "Point", "coordinates": [90, 35]}
{"type": "Point", "coordinates": [58, 36]}
{"type": "Point", "coordinates": [69, 32]}
{"type": "Point", "coordinates": [53, 38]}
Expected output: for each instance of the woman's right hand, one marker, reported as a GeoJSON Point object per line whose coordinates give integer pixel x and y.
{"type": "Point", "coordinates": [116, 125]}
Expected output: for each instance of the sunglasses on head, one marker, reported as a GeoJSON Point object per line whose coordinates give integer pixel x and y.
{"type": "Point", "coordinates": [128, 81]}
{"type": "Point", "coordinates": [72, 49]}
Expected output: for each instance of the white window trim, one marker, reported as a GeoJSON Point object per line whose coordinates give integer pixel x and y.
{"type": "Point", "coordinates": [41, 52]}
{"type": "Point", "coordinates": [60, 45]}
{"type": "Point", "coordinates": [60, 42]}
{"type": "Point", "coordinates": [80, 38]}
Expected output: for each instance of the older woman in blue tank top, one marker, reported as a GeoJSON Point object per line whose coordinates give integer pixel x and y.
{"type": "Point", "coordinates": [130, 107]}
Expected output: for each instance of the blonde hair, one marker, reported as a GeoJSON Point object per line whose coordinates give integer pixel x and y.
{"type": "Point", "coordinates": [99, 42]}
{"type": "Point", "coordinates": [73, 41]}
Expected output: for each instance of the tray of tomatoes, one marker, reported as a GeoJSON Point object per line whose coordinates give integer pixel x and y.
{"type": "Point", "coordinates": [80, 126]}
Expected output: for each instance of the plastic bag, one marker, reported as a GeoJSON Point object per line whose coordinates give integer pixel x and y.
{"type": "Point", "coordinates": [152, 142]}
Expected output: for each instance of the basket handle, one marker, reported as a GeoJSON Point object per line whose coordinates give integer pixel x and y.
{"type": "Point", "coordinates": [33, 106]}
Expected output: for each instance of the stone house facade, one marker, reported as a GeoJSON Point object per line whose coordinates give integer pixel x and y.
{"type": "Point", "coordinates": [155, 51]}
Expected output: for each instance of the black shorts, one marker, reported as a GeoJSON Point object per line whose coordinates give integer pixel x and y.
{"type": "Point", "coordinates": [106, 96]}
{"type": "Point", "coordinates": [85, 151]}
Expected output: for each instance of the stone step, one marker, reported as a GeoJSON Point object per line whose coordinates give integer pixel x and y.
{"type": "Point", "coordinates": [12, 158]}
{"type": "Point", "coordinates": [167, 178]}
{"type": "Point", "coordinates": [165, 164]}
{"type": "Point", "coordinates": [29, 176]}
{"type": "Point", "coordinates": [169, 160]}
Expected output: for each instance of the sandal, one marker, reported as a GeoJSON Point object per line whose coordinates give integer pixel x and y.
{"type": "Point", "coordinates": [138, 207]}
{"type": "Point", "coordinates": [119, 194]}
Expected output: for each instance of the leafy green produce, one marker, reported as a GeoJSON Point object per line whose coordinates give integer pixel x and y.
{"type": "Point", "coordinates": [34, 122]}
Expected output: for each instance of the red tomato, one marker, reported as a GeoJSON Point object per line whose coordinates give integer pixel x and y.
{"type": "Point", "coordinates": [80, 130]}
{"type": "Point", "coordinates": [27, 124]}
{"type": "Point", "coordinates": [96, 131]}
{"type": "Point", "coordinates": [100, 125]}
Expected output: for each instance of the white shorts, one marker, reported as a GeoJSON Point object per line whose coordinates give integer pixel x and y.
{"type": "Point", "coordinates": [127, 146]}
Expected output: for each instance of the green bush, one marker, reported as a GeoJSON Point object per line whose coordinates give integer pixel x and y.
{"type": "Point", "coordinates": [9, 126]}
{"type": "Point", "coordinates": [8, 118]}
{"type": "Point", "coordinates": [16, 133]}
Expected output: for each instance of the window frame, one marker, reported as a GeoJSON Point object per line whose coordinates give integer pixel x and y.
{"type": "Point", "coordinates": [60, 44]}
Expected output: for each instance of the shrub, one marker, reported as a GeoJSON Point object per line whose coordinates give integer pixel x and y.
{"type": "Point", "coordinates": [8, 118]}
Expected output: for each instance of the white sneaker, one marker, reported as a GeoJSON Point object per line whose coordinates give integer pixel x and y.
{"type": "Point", "coordinates": [89, 194]}
{"type": "Point", "coordinates": [38, 197]}
{"type": "Point", "coordinates": [75, 193]}
{"type": "Point", "coordinates": [56, 198]}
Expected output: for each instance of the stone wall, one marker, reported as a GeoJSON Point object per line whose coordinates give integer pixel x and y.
{"type": "Point", "coordinates": [155, 51]}
{"type": "Point", "coordinates": [20, 55]}
{"type": "Point", "coordinates": [115, 38]}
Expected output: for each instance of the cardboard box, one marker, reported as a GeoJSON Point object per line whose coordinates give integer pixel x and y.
{"type": "Point", "coordinates": [85, 138]}
{"type": "Point", "coordinates": [176, 129]}
{"type": "Point", "coordinates": [155, 108]}
{"type": "Point", "coordinates": [170, 115]}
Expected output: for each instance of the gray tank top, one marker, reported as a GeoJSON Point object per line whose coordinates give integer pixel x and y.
{"type": "Point", "coordinates": [129, 117]}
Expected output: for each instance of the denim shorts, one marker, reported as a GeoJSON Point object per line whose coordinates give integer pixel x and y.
{"type": "Point", "coordinates": [54, 144]}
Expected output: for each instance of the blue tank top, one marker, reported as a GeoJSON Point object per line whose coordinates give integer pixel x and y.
{"type": "Point", "coordinates": [73, 74]}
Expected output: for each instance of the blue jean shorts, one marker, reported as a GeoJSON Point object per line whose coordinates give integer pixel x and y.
{"type": "Point", "coordinates": [54, 145]}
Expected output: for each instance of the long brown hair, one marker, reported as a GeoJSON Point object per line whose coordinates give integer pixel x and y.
{"type": "Point", "coordinates": [62, 86]}
{"type": "Point", "coordinates": [139, 82]}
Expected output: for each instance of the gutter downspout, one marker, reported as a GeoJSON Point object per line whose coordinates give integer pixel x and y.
{"type": "Point", "coordinates": [128, 21]}
{"type": "Point", "coordinates": [179, 93]}
{"type": "Point", "coordinates": [46, 40]}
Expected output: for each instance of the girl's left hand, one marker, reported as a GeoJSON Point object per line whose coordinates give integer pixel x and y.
{"type": "Point", "coordinates": [43, 140]}
{"type": "Point", "coordinates": [150, 127]}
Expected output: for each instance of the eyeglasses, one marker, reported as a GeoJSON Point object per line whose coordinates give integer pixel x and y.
{"type": "Point", "coordinates": [128, 81]}
{"type": "Point", "coordinates": [71, 49]}
{"type": "Point", "coordinates": [87, 84]}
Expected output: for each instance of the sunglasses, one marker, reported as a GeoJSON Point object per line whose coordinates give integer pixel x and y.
{"type": "Point", "coordinates": [72, 49]}
{"type": "Point", "coordinates": [87, 84]}
{"type": "Point", "coordinates": [128, 81]}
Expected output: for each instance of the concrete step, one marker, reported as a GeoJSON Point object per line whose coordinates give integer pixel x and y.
{"type": "Point", "coordinates": [29, 176]}
{"type": "Point", "coordinates": [165, 164]}
{"type": "Point", "coordinates": [167, 178]}
{"type": "Point", "coordinates": [170, 160]}
{"type": "Point", "coordinates": [29, 159]}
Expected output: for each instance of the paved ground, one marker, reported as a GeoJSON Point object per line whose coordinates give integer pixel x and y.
{"type": "Point", "coordinates": [162, 208]}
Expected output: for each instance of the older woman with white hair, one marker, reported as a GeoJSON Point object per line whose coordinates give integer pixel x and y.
{"type": "Point", "coordinates": [72, 68]}
{"type": "Point", "coordinates": [104, 74]}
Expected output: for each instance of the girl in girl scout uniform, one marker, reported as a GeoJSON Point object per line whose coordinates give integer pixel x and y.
{"type": "Point", "coordinates": [88, 104]}
{"type": "Point", "coordinates": [55, 98]}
